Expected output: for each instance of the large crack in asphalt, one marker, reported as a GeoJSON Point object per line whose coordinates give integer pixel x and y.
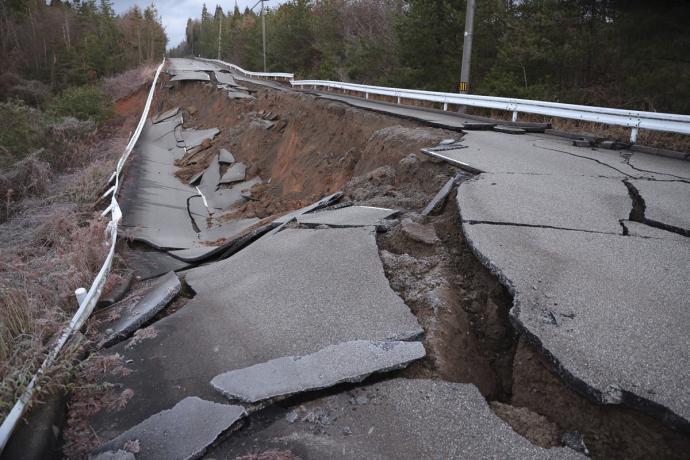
{"type": "Point", "coordinates": [638, 211]}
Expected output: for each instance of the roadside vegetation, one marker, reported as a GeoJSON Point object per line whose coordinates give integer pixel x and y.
{"type": "Point", "coordinates": [60, 137]}
{"type": "Point", "coordinates": [600, 52]}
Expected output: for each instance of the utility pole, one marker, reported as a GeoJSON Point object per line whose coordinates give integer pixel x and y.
{"type": "Point", "coordinates": [464, 86]}
{"type": "Point", "coordinates": [263, 26]}
{"type": "Point", "coordinates": [263, 30]}
{"type": "Point", "coordinates": [220, 33]}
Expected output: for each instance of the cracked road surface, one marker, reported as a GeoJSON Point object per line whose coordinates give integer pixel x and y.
{"type": "Point", "coordinates": [279, 319]}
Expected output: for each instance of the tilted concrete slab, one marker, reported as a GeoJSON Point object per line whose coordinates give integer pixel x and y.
{"type": "Point", "coordinates": [350, 216]}
{"type": "Point", "coordinates": [322, 203]}
{"type": "Point", "coordinates": [195, 137]}
{"type": "Point", "coordinates": [393, 419]}
{"type": "Point", "coordinates": [344, 362]}
{"type": "Point", "coordinates": [165, 115]}
{"type": "Point", "coordinates": [225, 78]}
{"type": "Point", "coordinates": [575, 202]}
{"type": "Point", "coordinates": [439, 199]}
{"type": "Point", "coordinates": [151, 264]}
{"type": "Point", "coordinates": [290, 294]}
{"type": "Point", "coordinates": [183, 432]}
{"type": "Point", "coordinates": [235, 173]}
{"type": "Point", "coordinates": [666, 203]}
{"type": "Point", "coordinates": [224, 156]}
{"type": "Point", "coordinates": [134, 312]}
{"type": "Point", "coordinates": [491, 152]}
{"type": "Point", "coordinates": [612, 311]}
{"type": "Point", "coordinates": [191, 76]}
{"type": "Point", "coordinates": [224, 198]}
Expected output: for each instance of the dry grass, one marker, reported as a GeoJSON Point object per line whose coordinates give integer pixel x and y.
{"type": "Point", "coordinates": [125, 83]}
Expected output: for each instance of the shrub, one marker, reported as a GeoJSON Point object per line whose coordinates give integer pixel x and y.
{"type": "Point", "coordinates": [22, 130]}
{"type": "Point", "coordinates": [82, 102]}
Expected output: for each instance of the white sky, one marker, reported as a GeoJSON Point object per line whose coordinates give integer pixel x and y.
{"type": "Point", "coordinates": [175, 12]}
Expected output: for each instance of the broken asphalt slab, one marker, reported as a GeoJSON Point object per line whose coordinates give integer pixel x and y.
{"type": "Point", "coordinates": [611, 312]}
{"type": "Point", "coordinates": [350, 216]}
{"type": "Point", "coordinates": [322, 203]}
{"type": "Point", "coordinates": [393, 419]}
{"type": "Point", "coordinates": [235, 173]}
{"type": "Point", "coordinates": [135, 311]}
{"type": "Point", "coordinates": [572, 202]}
{"type": "Point", "coordinates": [191, 76]}
{"type": "Point", "coordinates": [287, 294]}
{"type": "Point", "coordinates": [183, 432]}
{"type": "Point", "coordinates": [667, 204]}
{"type": "Point", "coordinates": [345, 362]}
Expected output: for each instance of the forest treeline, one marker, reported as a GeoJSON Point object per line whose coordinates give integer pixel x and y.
{"type": "Point", "coordinates": [620, 53]}
{"type": "Point", "coordinates": [63, 43]}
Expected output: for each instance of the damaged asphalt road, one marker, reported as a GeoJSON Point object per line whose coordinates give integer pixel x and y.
{"type": "Point", "coordinates": [283, 333]}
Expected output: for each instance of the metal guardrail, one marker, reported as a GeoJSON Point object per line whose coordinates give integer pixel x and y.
{"type": "Point", "coordinates": [654, 121]}
{"type": "Point", "coordinates": [280, 76]}
{"type": "Point", "coordinates": [87, 300]}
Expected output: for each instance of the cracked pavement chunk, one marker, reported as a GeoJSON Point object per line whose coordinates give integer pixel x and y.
{"type": "Point", "coordinates": [612, 310]}
{"type": "Point", "coordinates": [191, 76]}
{"type": "Point", "coordinates": [571, 202]}
{"type": "Point", "coordinates": [396, 419]}
{"type": "Point", "coordinates": [224, 156]}
{"type": "Point", "coordinates": [344, 362]}
{"type": "Point", "coordinates": [134, 312]}
{"type": "Point", "coordinates": [195, 137]}
{"type": "Point", "coordinates": [235, 173]}
{"type": "Point", "coordinates": [323, 202]}
{"type": "Point", "coordinates": [489, 152]}
{"type": "Point", "coordinates": [183, 432]}
{"type": "Point", "coordinates": [666, 204]}
{"type": "Point", "coordinates": [350, 216]}
{"type": "Point", "coordinates": [293, 293]}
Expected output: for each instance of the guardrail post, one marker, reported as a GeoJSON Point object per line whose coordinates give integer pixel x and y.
{"type": "Point", "coordinates": [80, 294]}
{"type": "Point", "coordinates": [398, 99]}
{"type": "Point", "coordinates": [445, 106]}
{"type": "Point", "coordinates": [515, 115]}
{"type": "Point", "coordinates": [633, 135]}
{"type": "Point", "coordinates": [366, 95]}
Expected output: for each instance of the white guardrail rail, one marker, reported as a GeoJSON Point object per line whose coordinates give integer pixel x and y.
{"type": "Point", "coordinates": [633, 119]}
{"type": "Point", "coordinates": [280, 76]}
{"type": "Point", "coordinates": [87, 300]}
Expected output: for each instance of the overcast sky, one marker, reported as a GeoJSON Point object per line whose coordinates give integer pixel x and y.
{"type": "Point", "coordinates": [176, 12]}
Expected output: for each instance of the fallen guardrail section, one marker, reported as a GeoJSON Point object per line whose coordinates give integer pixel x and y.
{"type": "Point", "coordinates": [636, 120]}
{"type": "Point", "coordinates": [279, 76]}
{"type": "Point", "coordinates": [87, 300]}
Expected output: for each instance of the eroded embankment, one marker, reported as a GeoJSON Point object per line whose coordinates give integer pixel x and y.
{"type": "Point", "coordinates": [304, 148]}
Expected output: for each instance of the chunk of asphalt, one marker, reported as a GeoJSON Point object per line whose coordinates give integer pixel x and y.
{"type": "Point", "coordinates": [195, 137]}
{"type": "Point", "coordinates": [224, 198]}
{"type": "Point", "coordinates": [667, 204]}
{"type": "Point", "coordinates": [439, 199]}
{"type": "Point", "coordinates": [183, 432]}
{"type": "Point", "coordinates": [290, 294]}
{"type": "Point", "coordinates": [322, 203]}
{"type": "Point", "coordinates": [165, 115]}
{"type": "Point", "coordinates": [344, 362]}
{"type": "Point", "coordinates": [224, 156]}
{"type": "Point", "coordinates": [393, 419]}
{"type": "Point", "coordinates": [235, 173]}
{"type": "Point", "coordinates": [196, 178]}
{"type": "Point", "coordinates": [351, 216]}
{"type": "Point", "coordinates": [583, 143]}
{"type": "Point", "coordinates": [135, 312]}
{"type": "Point", "coordinates": [610, 310]}
{"type": "Point", "coordinates": [477, 126]}
{"type": "Point", "coordinates": [224, 78]}
{"type": "Point", "coordinates": [505, 129]}
{"type": "Point", "coordinates": [486, 151]}
{"type": "Point", "coordinates": [545, 200]}
{"type": "Point", "coordinates": [234, 94]}
{"type": "Point", "coordinates": [191, 76]}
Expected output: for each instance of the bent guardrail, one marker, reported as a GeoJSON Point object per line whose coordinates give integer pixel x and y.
{"type": "Point", "coordinates": [87, 300]}
{"type": "Point", "coordinates": [654, 121]}
{"type": "Point", "coordinates": [280, 76]}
